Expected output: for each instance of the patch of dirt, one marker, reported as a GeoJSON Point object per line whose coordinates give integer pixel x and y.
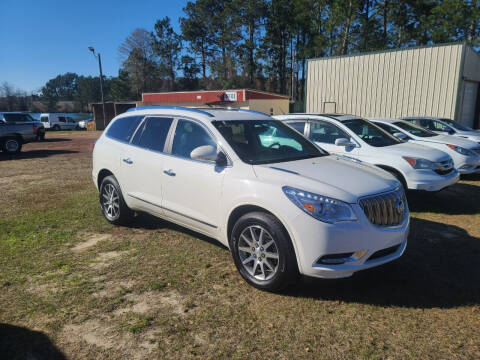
{"type": "Point", "coordinates": [114, 288]}
{"type": "Point", "coordinates": [43, 289]}
{"type": "Point", "coordinates": [105, 259]}
{"type": "Point", "coordinates": [91, 242]}
{"type": "Point", "coordinates": [150, 301]}
{"type": "Point", "coordinates": [103, 333]}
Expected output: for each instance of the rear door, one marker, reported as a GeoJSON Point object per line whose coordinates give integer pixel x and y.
{"type": "Point", "coordinates": [142, 164]}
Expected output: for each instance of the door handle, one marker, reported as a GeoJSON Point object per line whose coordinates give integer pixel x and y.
{"type": "Point", "coordinates": [128, 161]}
{"type": "Point", "coordinates": [169, 172]}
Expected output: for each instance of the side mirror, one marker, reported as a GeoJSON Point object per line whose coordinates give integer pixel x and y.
{"type": "Point", "coordinates": [204, 153]}
{"type": "Point", "coordinates": [400, 136]}
{"type": "Point", "coordinates": [344, 142]}
{"type": "Point", "coordinates": [221, 160]}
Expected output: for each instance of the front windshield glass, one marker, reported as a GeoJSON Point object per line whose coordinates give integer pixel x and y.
{"type": "Point", "coordinates": [372, 134]}
{"type": "Point", "coordinates": [266, 141]}
{"type": "Point", "coordinates": [415, 130]}
{"type": "Point", "coordinates": [457, 125]}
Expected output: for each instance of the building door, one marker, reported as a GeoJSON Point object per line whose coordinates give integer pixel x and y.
{"type": "Point", "coordinates": [470, 90]}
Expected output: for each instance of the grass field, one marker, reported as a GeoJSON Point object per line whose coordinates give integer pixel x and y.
{"type": "Point", "coordinates": [72, 286]}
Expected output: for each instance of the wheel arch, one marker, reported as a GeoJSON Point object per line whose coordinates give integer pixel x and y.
{"type": "Point", "coordinates": [243, 209]}
{"type": "Point", "coordinates": [102, 174]}
{"type": "Point", "coordinates": [395, 171]}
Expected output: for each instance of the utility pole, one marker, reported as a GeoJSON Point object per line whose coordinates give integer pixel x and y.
{"type": "Point", "coordinates": [101, 82]}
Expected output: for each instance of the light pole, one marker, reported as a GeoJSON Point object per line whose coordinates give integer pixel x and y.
{"type": "Point", "coordinates": [101, 81]}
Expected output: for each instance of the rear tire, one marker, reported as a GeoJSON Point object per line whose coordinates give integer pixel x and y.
{"type": "Point", "coordinates": [113, 206]}
{"type": "Point", "coordinates": [12, 145]}
{"type": "Point", "coordinates": [262, 252]}
{"type": "Point", "coordinates": [56, 128]}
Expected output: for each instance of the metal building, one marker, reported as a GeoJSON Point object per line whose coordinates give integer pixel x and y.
{"type": "Point", "coordinates": [439, 80]}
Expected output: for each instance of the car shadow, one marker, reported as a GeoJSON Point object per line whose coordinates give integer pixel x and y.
{"type": "Point", "coordinates": [52, 140]}
{"type": "Point", "coordinates": [440, 268]}
{"type": "Point", "coordinates": [150, 222]}
{"type": "Point", "coordinates": [34, 154]}
{"type": "Point", "coordinates": [24, 344]}
{"type": "Point", "coordinates": [459, 199]}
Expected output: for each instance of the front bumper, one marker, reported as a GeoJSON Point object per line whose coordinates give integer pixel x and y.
{"type": "Point", "coordinates": [315, 239]}
{"type": "Point", "coordinates": [468, 164]}
{"type": "Point", "coordinates": [431, 181]}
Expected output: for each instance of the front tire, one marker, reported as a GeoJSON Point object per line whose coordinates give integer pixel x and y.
{"type": "Point", "coordinates": [113, 206]}
{"type": "Point", "coordinates": [11, 145]}
{"type": "Point", "coordinates": [56, 128]}
{"type": "Point", "coordinates": [262, 252]}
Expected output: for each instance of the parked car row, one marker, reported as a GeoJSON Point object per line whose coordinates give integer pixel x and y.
{"type": "Point", "coordinates": [16, 129]}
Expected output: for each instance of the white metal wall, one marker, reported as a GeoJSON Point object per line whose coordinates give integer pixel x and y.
{"type": "Point", "coordinates": [409, 82]}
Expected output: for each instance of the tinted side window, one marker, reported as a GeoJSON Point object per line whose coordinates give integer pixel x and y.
{"type": "Point", "coordinates": [298, 125]}
{"type": "Point", "coordinates": [153, 133]}
{"type": "Point", "coordinates": [61, 119]}
{"type": "Point", "coordinates": [188, 136]}
{"type": "Point", "coordinates": [325, 132]}
{"type": "Point", "coordinates": [387, 128]}
{"type": "Point", "coordinates": [123, 128]}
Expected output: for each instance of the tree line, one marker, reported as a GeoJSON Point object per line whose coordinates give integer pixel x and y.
{"type": "Point", "coordinates": [264, 44]}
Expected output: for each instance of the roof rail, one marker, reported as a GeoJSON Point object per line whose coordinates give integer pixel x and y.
{"type": "Point", "coordinates": [170, 107]}
{"type": "Point", "coordinates": [253, 112]}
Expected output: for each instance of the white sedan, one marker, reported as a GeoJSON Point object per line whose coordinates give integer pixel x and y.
{"type": "Point", "coordinates": [417, 167]}
{"type": "Point", "coordinates": [464, 152]}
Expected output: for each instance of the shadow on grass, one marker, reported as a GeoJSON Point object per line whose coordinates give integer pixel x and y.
{"type": "Point", "coordinates": [460, 199]}
{"type": "Point", "coordinates": [19, 343]}
{"type": "Point", "coordinates": [34, 154]}
{"type": "Point", "coordinates": [150, 222]}
{"type": "Point", "coordinates": [52, 140]}
{"type": "Point", "coordinates": [440, 268]}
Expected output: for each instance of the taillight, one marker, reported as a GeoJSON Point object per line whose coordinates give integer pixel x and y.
{"type": "Point", "coordinates": [34, 129]}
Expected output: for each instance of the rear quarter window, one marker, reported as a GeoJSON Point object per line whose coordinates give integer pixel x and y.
{"type": "Point", "coordinates": [122, 129]}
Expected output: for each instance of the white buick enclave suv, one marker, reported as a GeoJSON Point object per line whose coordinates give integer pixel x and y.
{"type": "Point", "coordinates": [464, 152]}
{"type": "Point", "coordinates": [282, 205]}
{"type": "Point", "coordinates": [417, 167]}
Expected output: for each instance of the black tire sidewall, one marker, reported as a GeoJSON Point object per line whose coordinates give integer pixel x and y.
{"type": "Point", "coordinates": [125, 213]}
{"type": "Point", "coordinates": [287, 268]}
{"type": "Point", "coordinates": [4, 145]}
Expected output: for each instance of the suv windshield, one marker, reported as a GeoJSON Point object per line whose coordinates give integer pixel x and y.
{"type": "Point", "coordinates": [415, 130]}
{"type": "Point", "coordinates": [266, 141]}
{"type": "Point", "coordinates": [372, 134]}
{"type": "Point", "coordinates": [13, 118]}
{"type": "Point", "coordinates": [457, 125]}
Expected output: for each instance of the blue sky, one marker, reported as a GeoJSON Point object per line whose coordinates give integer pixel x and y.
{"type": "Point", "coordinates": [41, 39]}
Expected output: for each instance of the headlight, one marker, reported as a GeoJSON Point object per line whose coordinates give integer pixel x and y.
{"type": "Point", "coordinates": [461, 150]}
{"type": "Point", "coordinates": [320, 207]}
{"type": "Point", "coordinates": [417, 163]}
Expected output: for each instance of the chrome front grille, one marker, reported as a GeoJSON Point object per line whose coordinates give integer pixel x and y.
{"type": "Point", "coordinates": [385, 209]}
{"type": "Point", "coordinates": [444, 167]}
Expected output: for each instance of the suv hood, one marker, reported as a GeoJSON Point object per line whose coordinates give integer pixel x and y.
{"type": "Point", "coordinates": [415, 150]}
{"type": "Point", "coordinates": [331, 176]}
{"type": "Point", "coordinates": [472, 135]}
{"type": "Point", "coordinates": [454, 140]}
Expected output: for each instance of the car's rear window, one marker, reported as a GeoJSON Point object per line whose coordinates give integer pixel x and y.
{"type": "Point", "coordinates": [122, 129]}
{"type": "Point", "coordinates": [13, 118]}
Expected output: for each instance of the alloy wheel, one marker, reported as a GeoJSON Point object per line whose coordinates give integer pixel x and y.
{"type": "Point", "coordinates": [11, 145]}
{"type": "Point", "coordinates": [110, 201]}
{"type": "Point", "coordinates": [258, 252]}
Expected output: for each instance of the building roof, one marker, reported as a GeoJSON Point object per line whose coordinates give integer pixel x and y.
{"type": "Point", "coordinates": [210, 96]}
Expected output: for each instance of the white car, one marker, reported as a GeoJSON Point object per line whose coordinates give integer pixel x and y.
{"type": "Point", "coordinates": [417, 167]}
{"type": "Point", "coordinates": [444, 126]}
{"type": "Point", "coordinates": [464, 152]}
{"type": "Point", "coordinates": [283, 207]}
{"type": "Point", "coordinates": [58, 121]}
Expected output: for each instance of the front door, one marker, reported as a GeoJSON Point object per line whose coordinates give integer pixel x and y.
{"type": "Point", "coordinates": [324, 135]}
{"type": "Point", "coordinates": [192, 189]}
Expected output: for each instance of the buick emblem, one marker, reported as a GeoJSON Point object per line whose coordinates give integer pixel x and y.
{"type": "Point", "coordinates": [400, 206]}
